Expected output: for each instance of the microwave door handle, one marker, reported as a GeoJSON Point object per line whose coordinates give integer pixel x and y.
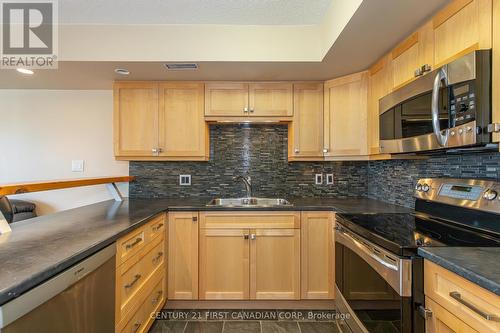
{"type": "Point", "coordinates": [441, 75]}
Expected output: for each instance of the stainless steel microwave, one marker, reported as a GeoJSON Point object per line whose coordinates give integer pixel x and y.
{"type": "Point", "coordinates": [445, 109]}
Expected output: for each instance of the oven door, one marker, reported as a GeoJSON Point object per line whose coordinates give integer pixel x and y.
{"type": "Point", "coordinates": [373, 286]}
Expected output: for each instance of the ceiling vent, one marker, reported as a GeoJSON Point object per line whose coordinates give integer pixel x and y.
{"type": "Point", "coordinates": [184, 66]}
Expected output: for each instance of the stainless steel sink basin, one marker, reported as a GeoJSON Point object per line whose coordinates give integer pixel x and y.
{"type": "Point", "coordinates": [249, 202]}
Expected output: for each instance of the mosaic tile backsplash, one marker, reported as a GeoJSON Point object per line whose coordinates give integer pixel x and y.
{"type": "Point", "coordinates": [260, 151]}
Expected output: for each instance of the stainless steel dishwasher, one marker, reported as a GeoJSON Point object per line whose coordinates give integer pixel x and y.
{"type": "Point", "coordinates": [80, 299]}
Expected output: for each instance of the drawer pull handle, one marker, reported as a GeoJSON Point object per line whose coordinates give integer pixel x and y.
{"type": "Point", "coordinates": [134, 281]}
{"type": "Point", "coordinates": [136, 327]}
{"type": "Point", "coordinates": [158, 227]}
{"type": "Point", "coordinates": [155, 259]}
{"type": "Point", "coordinates": [157, 298]}
{"type": "Point", "coordinates": [131, 245]}
{"type": "Point", "coordinates": [456, 296]}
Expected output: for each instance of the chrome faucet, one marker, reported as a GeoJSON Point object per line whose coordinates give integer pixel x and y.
{"type": "Point", "coordinates": [248, 184]}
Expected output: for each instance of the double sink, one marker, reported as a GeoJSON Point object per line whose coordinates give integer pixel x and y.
{"type": "Point", "coordinates": [249, 202]}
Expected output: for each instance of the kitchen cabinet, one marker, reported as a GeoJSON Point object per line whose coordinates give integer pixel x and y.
{"type": "Point", "coordinates": [380, 85]}
{"type": "Point", "coordinates": [457, 303]}
{"type": "Point", "coordinates": [141, 277]}
{"type": "Point", "coordinates": [183, 131]}
{"type": "Point", "coordinates": [275, 264]}
{"type": "Point", "coordinates": [135, 118]}
{"type": "Point", "coordinates": [496, 69]}
{"type": "Point", "coordinates": [413, 57]}
{"type": "Point", "coordinates": [461, 27]}
{"type": "Point", "coordinates": [442, 321]}
{"type": "Point", "coordinates": [182, 255]}
{"type": "Point", "coordinates": [305, 132]}
{"type": "Point", "coordinates": [346, 116]}
{"type": "Point", "coordinates": [317, 255]}
{"type": "Point", "coordinates": [224, 264]}
{"type": "Point", "coordinates": [159, 121]}
{"type": "Point", "coordinates": [237, 100]}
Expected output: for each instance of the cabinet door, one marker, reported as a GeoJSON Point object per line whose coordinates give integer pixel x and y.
{"type": "Point", "coordinates": [224, 264]}
{"type": "Point", "coordinates": [183, 255]}
{"type": "Point", "coordinates": [305, 135]}
{"type": "Point", "coordinates": [380, 85]}
{"type": "Point", "coordinates": [275, 264]}
{"type": "Point", "coordinates": [270, 99]}
{"type": "Point", "coordinates": [183, 132]}
{"type": "Point", "coordinates": [461, 27]}
{"type": "Point", "coordinates": [442, 321]}
{"type": "Point", "coordinates": [135, 118]}
{"type": "Point", "coordinates": [405, 60]}
{"type": "Point", "coordinates": [346, 115]}
{"type": "Point", "coordinates": [226, 99]}
{"type": "Point", "coordinates": [317, 255]}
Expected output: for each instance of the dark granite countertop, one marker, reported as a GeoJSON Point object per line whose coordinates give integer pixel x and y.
{"type": "Point", "coordinates": [39, 248]}
{"type": "Point", "coordinates": [476, 264]}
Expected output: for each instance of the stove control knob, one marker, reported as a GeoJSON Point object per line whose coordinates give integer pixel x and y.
{"type": "Point", "coordinates": [425, 187]}
{"type": "Point", "coordinates": [490, 194]}
{"type": "Point", "coordinates": [418, 187]}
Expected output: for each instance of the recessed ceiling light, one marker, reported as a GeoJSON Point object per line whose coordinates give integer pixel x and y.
{"type": "Point", "coordinates": [182, 66]}
{"type": "Point", "coordinates": [122, 71]}
{"type": "Point", "coordinates": [25, 71]}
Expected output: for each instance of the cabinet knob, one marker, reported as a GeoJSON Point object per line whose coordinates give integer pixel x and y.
{"type": "Point", "coordinates": [325, 150]}
{"type": "Point", "coordinates": [418, 72]}
{"type": "Point", "coordinates": [253, 236]}
{"type": "Point", "coordinates": [195, 219]}
{"type": "Point", "coordinates": [251, 110]}
{"type": "Point", "coordinates": [296, 150]}
{"type": "Point", "coordinates": [245, 109]}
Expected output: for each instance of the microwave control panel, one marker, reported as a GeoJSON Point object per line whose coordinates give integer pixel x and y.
{"type": "Point", "coordinates": [462, 103]}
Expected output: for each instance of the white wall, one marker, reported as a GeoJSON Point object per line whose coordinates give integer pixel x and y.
{"type": "Point", "coordinates": [41, 131]}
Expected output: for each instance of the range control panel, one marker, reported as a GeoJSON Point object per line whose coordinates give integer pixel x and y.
{"type": "Point", "coordinates": [471, 193]}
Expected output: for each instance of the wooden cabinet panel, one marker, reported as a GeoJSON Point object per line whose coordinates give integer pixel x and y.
{"type": "Point", "coordinates": [275, 264]}
{"type": "Point", "coordinates": [405, 60]}
{"type": "Point", "coordinates": [440, 284]}
{"type": "Point", "coordinates": [248, 220]}
{"type": "Point", "coordinates": [183, 255]}
{"type": "Point", "coordinates": [183, 131]}
{"type": "Point", "coordinates": [226, 99]}
{"type": "Point", "coordinates": [346, 115]}
{"type": "Point", "coordinates": [443, 321]}
{"type": "Point", "coordinates": [305, 133]}
{"type": "Point", "coordinates": [461, 27]}
{"type": "Point", "coordinates": [317, 255]}
{"type": "Point", "coordinates": [270, 99]}
{"type": "Point", "coordinates": [380, 85]}
{"type": "Point", "coordinates": [496, 68]}
{"type": "Point", "coordinates": [224, 264]}
{"type": "Point", "coordinates": [135, 118]}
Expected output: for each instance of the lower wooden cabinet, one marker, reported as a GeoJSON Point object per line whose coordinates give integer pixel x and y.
{"type": "Point", "coordinates": [442, 321]}
{"type": "Point", "coordinates": [183, 255]}
{"type": "Point", "coordinates": [141, 279]}
{"type": "Point", "coordinates": [317, 254]}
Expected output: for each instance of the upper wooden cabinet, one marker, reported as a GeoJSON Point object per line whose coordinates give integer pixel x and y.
{"type": "Point", "coordinates": [234, 99]}
{"type": "Point", "coordinates": [305, 132]}
{"type": "Point", "coordinates": [461, 27]}
{"type": "Point", "coordinates": [135, 118]}
{"type": "Point", "coordinates": [159, 121]}
{"type": "Point", "coordinates": [345, 116]}
{"type": "Point", "coordinates": [183, 131]}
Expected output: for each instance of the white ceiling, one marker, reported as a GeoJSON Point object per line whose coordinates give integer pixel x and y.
{"type": "Point", "coordinates": [239, 12]}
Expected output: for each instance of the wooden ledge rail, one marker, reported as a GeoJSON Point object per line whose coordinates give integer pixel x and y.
{"type": "Point", "coordinates": [28, 187]}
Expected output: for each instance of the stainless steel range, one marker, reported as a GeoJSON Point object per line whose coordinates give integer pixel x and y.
{"type": "Point", "coordinates": [378, 274]}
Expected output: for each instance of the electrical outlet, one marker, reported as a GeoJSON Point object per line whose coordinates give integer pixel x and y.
{"type": "Point", "coordinates": [185, 180]}
{"type": "Point", "coordinates": [318, 179]}
{"type": "Point", "coordinates": [77, 165]}
{"type": "Point", "coordinates": [329, 179]}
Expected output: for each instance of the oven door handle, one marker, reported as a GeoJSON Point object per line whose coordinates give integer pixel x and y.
{"type": "Point", "coordinates": [442, 139]}
{"type": "Point", "coordinates": [366, 250]}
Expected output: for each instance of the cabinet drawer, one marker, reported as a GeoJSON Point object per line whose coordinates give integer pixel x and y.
{"type": "Point", "coordinates": [462, 298]}
{"type": "Point", "coordinates": [156, 226]}
{"type": "Point", "coordinates": [130, 245]}
{"type": "Point", "coordinates": [443, 321]}
{"type": "Point", "coordinates": [155, 256]}
{"type": "Point", "coordinates": [250, 220]}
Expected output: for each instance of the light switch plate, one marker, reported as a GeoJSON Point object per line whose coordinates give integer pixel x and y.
{"type": "Point", "coordinates": [77, 165]}
{"type": "Point", "coordinates": [185, 180]}
{"type": "Point", "coordinates": [318, 179]}
{"type": "Point", "coordinates": [329, 179]}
